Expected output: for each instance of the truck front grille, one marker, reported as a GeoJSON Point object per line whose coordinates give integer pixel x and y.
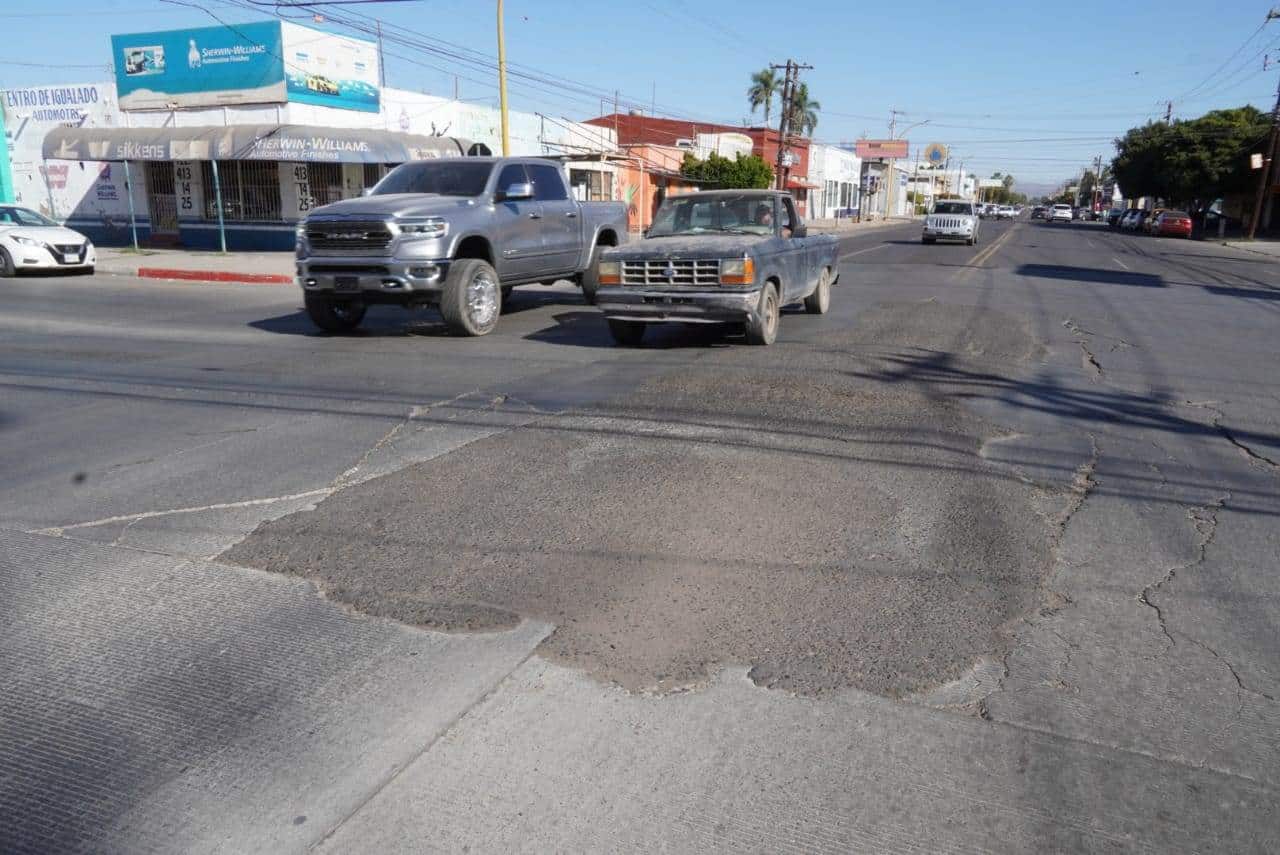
{"type": "Point", "coordinates": [685, 272]}
{"type": "Point", "coordinates": [948, 222]}
{"type": "Point", "coordinates": [347, 237]}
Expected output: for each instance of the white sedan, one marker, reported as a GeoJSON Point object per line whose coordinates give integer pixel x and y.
{"type": "Point", "coordinates": [32, 241]}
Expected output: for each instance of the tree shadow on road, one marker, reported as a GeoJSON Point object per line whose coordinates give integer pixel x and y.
{"type": "Point", "coordinates": [1099, 275]}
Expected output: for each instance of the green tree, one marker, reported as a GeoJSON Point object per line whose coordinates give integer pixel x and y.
{"type": "Point", "coordinates": [804, 111]}
{"type": "Point", "coordinates": [764, 85]}
{"type": "Point", "coordinates": [720, 173]}
{"type": "Point", "coordinates": [1191, 160]}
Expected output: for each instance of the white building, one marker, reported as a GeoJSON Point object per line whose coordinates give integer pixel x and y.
{"type": "Point", "coordinates": [837, 174]}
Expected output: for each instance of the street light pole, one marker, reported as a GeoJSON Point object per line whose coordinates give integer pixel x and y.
{"type": "Point", "coordinates": [502, 85]}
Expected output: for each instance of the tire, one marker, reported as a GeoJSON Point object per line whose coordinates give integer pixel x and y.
{"type": "Point", "coordinates": [472, 298]}
{"type": "Point", "coordinates": [334, 316]}
{"type": "Point", "coordinates": [591, 278]}
{"type": "Point", "coordinates": [88, 271]}
{"type": "Point", "coordinates": [970, 241]}
{"type": "Point", "coordinates": [627, 333]}
{"type": "Point", "coordinates": [506, 293]}
{"type": "Point", "coordinates": [819, 301]}
{"type": "Point", "coordinates": [6, 263]}
{"type": "Point", "coordinates": [928, 240]}
{"type": "Point", "coordinates": [763, 330]}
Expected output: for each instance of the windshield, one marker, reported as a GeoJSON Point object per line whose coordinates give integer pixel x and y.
{"type": "Point", "coordinates": [443, 177]}
{"type": "Point", "coordinates": [745, 213]}
{"type": "Point", "coordinates": [12, 216]}
{"type": "Point", "coordinates": [953, 208]}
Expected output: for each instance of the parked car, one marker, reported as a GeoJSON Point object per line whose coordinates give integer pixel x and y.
{"type": "Point", "coordinates": [1148, 225]}
{"type": "Point", "coordinates": [1113, 216]}
{"type": "Point", "coordinates": [1059, 214]}
{"type": "Point", "coordinates": [1172, 224]}
{"type": "Point", "coordinates": [721, 256]}
{"type": "Point", "coordinates": [32, 241]}
{"type": "Point", "coordinates": [952, 219]}
{"type": "Point", "coordinates": [456, 233]}
{"type": "Point", "coordinates": [1133, 222]}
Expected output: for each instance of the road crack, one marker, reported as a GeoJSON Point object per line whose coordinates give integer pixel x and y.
{"type": "Point", "coordinates": [1204, 520]}
{"type": "Point", "coordinates": [1229, 436]}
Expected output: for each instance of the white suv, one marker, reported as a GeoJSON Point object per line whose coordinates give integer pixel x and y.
{"type": "Point", "coordinates": [1059, 213]}
{"type": "Point", "coordinates": [952, 219]}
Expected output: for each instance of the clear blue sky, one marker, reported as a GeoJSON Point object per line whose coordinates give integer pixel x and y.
{"type": "Point", "coordinates": [1031, 88]}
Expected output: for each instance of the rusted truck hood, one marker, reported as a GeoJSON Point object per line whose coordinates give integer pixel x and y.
{"type": "Point", "coordinates": [686, 246]}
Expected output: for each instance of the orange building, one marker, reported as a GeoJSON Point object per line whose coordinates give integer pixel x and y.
{"type": "Point", "coordinates": [647, 174]}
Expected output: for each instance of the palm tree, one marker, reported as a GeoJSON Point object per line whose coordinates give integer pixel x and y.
{"type": "Point", "coordinates": [804, 111]}
{"type": "Point", "coordinates": [764, 85]}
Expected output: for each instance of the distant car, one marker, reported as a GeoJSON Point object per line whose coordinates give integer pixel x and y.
{"type": "Point", "coordinates": [32, 241]}
{"type": "Point", "coordinates": [1133, 220]}
{"type": "Point", "coordinates": [952, 219]}
{"type": "Point", "coordinates": [1059, 214]}
{"type": "Point", "coordinates": [1172, 224]}
{"type": "Point", "coordinates": [1113, 216]}
{"type": "Point", "coordinates": [1039, 212]}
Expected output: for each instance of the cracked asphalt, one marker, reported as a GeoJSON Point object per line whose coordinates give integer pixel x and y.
{"type": "Point", "coordinates": [983, 560]}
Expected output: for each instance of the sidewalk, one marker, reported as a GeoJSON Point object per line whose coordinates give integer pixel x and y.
{"type": "Point", "coordinates": [848, 226]}
{"type": "Point", "coordinates": [191, 266]}
{"type": "Point", "coordinates": [1260, 247]}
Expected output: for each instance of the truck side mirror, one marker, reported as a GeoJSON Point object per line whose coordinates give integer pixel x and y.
{"type": "Point", "coordinates": [516, 192]}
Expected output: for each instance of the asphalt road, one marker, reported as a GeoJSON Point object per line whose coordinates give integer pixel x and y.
{"type": "Point", "coordinates": [982, 560]}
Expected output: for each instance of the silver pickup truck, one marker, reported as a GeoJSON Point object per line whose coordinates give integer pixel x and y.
{"type": "Point", "coordinates": [457, 233]}
{"type": "Point", "coordinates": [724, 256]}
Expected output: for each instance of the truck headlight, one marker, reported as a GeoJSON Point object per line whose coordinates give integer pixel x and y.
{"type": "Point", "coordinates": [423, 228]}
{"type": "Point", "coordinates": [611, 273]}
{"type": "Point", "coordinates": [737, 271]}
{"type": "Point", "coordinates": [300, 230]}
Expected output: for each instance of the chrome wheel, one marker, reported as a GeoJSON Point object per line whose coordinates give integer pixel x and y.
{"type": "Point", "coordinates": [483, 300]}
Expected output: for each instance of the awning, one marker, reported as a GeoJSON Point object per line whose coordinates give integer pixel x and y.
{"type": "Point", "coordinates": [801, 184]}
{"type": "Point", "coordinates": [307, 143]}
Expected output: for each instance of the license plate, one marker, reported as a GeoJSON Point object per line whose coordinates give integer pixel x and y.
{"type": "Point", "coordinates": [70, 257]}
{"type": "Point", "coordinates": [346, 283]}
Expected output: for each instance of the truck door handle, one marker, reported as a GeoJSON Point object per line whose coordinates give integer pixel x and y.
{"type": "Point", "coordinates": [571, 213]}
{"type": "Point", "coordinates": [535, 216]}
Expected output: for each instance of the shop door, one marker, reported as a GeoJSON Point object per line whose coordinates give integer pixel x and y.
{"type": "Point", "coordinates": [162, 199]}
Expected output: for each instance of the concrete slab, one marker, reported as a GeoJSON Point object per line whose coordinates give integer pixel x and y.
{"type": "Point", "coordinates": [151, 704]}
{"type": "Point", "coordinates": [554, 762]}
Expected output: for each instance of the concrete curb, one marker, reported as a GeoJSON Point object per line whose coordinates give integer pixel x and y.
{"type": "Point", "coordinates": [222, 276]}
{"type": "Point", "coordinates": [1244, 247]}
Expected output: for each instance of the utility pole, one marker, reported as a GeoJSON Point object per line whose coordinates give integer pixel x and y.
{"type": "Point", "coordinates": [1264, 174]}
{"type": "Point", "coordinates": [382, 62]}
{"type": "Point", "coordinates": [785, 125]}
{"type": "Point", "coordinates": [502, 85]}
{"type": "Point", "coordinates": [1168, 112]}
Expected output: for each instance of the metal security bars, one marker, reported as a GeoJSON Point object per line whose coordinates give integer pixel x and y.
{"type": "Point", "coordinates": [250, 190]}
{"type": "Point", "coordinates": [325, 180]}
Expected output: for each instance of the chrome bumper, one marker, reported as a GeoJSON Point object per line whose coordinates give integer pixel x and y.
{"type": "Point", "coordinates": [363, 274]}
{"type": "Point", "coordinates": [631, 303]}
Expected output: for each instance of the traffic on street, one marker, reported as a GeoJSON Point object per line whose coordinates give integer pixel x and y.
{"type": "Point", "coordinates": [635, 483]}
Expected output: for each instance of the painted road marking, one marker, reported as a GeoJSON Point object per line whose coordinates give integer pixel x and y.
{"type": "Point", "coordinates": [864, 249]}
{"type": "Point", "coordinates": [1119, 262]}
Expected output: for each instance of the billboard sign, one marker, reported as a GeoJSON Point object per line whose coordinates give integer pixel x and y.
{"type": "Point", "coordinates": [887, 149]}
{"type": "Point", "coordinates": [328, 70]}
{"type": "Point", "coordinates": [260, 63]}
{"type": "Point", "coordinates": [199, 67]}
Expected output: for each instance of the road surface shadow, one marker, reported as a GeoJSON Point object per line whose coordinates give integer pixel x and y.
{"type": "Point", "coordinates": [588, 328]}
{"type": "Point", "coordinates": [1090, 274]}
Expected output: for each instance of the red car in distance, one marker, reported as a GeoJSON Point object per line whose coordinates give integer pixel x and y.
{"type": "Point", "coordinates": [1172, 224]}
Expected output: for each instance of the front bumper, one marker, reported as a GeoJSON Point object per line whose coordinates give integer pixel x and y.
{"type": "Point", "coordinates": [48, 258]}
{"type": "Point", "coordinates": [374, 279]}
{"type": "Point", "coordinates": [948, 234]}
{"type": "Point", "coordinates": [657, 305]}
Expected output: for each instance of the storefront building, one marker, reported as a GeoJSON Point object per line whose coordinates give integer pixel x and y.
{"type": "Point", "coordinates": [837, 173]}
{"type": "Point", "coordinates": [286, 118]}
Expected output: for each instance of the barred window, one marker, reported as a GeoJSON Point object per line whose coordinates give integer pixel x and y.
{"type": "Point", "coordinates": [250, 190]}
{"type": "Point", "coordinates": [325, 180]}
{"type": "Point", "coordinates": [591, 185]}
{"type": "Point", "coordinates": [373, 173]}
